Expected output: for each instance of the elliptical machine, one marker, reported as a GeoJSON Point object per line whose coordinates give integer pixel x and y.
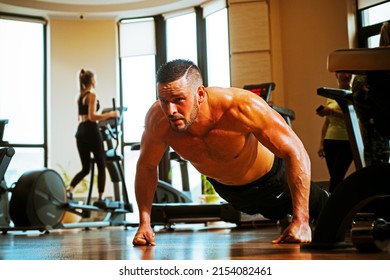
{"type": "Point", "coordinates": [116, 209]}
{"type": "Point", "coordinates": [38, 199]}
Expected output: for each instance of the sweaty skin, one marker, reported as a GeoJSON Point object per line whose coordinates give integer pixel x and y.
{"type": "Point", "coordinates": [228, 134]}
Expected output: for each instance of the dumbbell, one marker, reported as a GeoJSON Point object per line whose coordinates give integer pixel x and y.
{"type": "Point", "coordinates": [370, 235]}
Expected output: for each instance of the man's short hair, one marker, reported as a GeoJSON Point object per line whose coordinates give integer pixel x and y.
{"type": "Point", "coordinates": [175, 69]}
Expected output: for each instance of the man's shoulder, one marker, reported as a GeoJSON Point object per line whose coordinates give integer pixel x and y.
{"type": "Point", "coordinates": [154, 110]}
{"type": "Point", "coordinates": [224, 96]}
{"type": "Point", "coordinates": [155, 118]}
{"type": "Point", "coordinates": [233, 98]}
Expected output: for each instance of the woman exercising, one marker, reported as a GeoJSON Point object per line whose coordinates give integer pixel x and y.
{"type": "Point", "coordinates": [88, 136]}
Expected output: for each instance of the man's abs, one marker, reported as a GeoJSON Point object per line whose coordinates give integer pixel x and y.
{"type": "Point", "coordinates": [238, 171]}
{"type": "Point", "coordinates": [229, 157]}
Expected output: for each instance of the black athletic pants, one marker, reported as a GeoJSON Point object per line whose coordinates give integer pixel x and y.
{"type": "Point", "coordinates": [270, 195]}
{"type": "Point", "coordinates": [89, 140]}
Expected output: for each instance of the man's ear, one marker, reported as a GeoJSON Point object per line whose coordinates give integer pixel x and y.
{"type": "Point", "coordinates": [201, 93]}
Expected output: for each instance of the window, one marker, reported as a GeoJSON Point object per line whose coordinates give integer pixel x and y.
{"type": "Point", "coordinates": [181, 37]}
{"type": "Point", "coordinates": [217, 39]}
{"type": "Point", "coordinates": [371, 15]}
{"type": "Point", "coordinates": [376, 14]}
{"type": "Point", "coordinates": [139, 93]}
{"type": "Point", "coordinates": [137, 74]}
{"type": "Point", "coordinates": [23, 92]}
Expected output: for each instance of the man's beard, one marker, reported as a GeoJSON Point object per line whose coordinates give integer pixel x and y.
{"type": "Point", "coordinates": [187, 123]}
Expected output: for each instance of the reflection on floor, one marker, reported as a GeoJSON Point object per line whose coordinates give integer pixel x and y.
{"type": "Point", "coordinates": [217, 241]}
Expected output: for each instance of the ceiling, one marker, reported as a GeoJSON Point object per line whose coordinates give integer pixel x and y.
{"type": "Point", "coordinates": [94, 9]}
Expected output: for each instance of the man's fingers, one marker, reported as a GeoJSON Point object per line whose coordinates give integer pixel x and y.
{"type": "Point", "coordinates": [142, 240]}
{"type": "Point", "coordinates": [289, 238]}
{"type": "Point", "coordinates": [139, 241]}
{"type": "Point", "coordinates": [278, 240]}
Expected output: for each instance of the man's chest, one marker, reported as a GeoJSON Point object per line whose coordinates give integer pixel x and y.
{"type": "Point", "coordinates": [217, 145]}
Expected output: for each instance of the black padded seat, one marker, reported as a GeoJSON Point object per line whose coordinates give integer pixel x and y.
{"type": "Point", "coordinates": [359, 61]}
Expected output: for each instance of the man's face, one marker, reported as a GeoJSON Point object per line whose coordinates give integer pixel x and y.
{"type": "Point", "coordinates": [179, 102]}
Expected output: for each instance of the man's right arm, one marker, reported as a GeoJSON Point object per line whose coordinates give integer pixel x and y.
{"type": "Point", "coordinates": [152, 150]}
{"type": "Point", "coordinates": [145, 187]}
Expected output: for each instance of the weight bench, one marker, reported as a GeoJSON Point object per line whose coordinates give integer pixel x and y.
{"type": "Point", "coordinates": [368, 183]}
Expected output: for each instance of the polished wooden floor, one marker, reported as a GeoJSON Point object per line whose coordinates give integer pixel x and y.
{"type": "Point", "coordinates": [217, 241]}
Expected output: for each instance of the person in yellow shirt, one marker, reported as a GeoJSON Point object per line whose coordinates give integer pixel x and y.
{"type": "Point", "coordinates": [334, 144]}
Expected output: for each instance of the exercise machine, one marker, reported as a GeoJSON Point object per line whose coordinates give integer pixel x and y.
{"type": "Point", "coordinates": [40, 216]}
{"type": "Point", "coordinates": [264, 90]}
{"type": "Point", "coordinates": [347, 207]}
{"type": "Point", "coordinates": [37, 215]}
{"type": "Point", "coordinates": [115, 211]}
{"type": "Point", "coordinates": [6, 155]}
{"type": "Point", "coordinates": [38, 199]}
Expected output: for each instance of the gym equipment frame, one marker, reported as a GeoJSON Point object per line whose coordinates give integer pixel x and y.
{"type": "Point", "coordinates": [369, 184]}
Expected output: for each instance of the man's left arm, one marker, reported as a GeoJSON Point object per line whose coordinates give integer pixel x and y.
{"type": "Point", "coordinates": [275, 134]}
{"type": "Point", "coordinates": [298, 176]}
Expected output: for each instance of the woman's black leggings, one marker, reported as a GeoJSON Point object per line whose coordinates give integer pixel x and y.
{"type": "Point", "coordinates": [338, 156]}
{"type": "Point", "coordinates": [89, 140]}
